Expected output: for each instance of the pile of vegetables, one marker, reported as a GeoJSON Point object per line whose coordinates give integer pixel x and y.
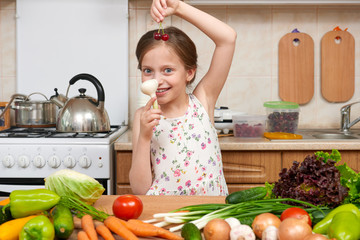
{"type": "Point", "coordinates": [48, 214]}
{"type": "Point", "coordinates": [313, 200]}
{"type": "Point", "coordinates": [36, 214]}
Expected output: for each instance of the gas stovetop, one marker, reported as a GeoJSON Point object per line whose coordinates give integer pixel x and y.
{"type": "Point", "coordinates": [48, 136]}
{"type": "Point", "coordinates": [18, 132]}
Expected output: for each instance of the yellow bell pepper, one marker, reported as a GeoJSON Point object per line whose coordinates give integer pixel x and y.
{"type": "Point", "coordinates": [10, 230]}
{"type": "Point", "coordinates": [5, 201]}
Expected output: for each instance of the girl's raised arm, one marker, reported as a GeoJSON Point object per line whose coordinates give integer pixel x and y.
{"type": "Point", "coordinates": [224, 37]}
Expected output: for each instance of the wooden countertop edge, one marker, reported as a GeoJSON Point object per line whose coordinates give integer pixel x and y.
{"type": "Point", "coordinates": [123, 143]}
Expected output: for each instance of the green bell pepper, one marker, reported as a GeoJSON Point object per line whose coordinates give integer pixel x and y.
{"type": "Point", "coordinates": [38, 228]}
{"type": "Point", "coordinates": [24, 203]}
{"type": "Point", "coordinates": [344, 226]}
{"type": "Point", "coordinates": [322, 226]}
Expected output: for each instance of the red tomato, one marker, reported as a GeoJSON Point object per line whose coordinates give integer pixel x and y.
{"type": "Point", "coordinates": [127, 207]}
{"type": "Point", "coordinates": [295, 212]}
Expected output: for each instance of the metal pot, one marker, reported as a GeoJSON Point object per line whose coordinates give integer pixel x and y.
{"type": "Point", "coordinates": [82, 113]}
{"type": "Point", "coordinates": [33, 113]}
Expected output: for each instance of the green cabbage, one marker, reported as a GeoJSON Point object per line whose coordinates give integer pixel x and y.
{"type": "Point", "coordinates": [68, 182]}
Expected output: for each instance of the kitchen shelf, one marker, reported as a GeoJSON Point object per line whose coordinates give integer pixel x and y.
{"type": "Point", "coordinates": [273, 2]}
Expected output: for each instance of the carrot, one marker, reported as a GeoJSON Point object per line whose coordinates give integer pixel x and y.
{"type": "Point", "coordinates": [5, 201]}
{"type": "Point", "coordinates": [139, 230]}
{"type": "Point", "coordinates": [87, 224]}
{"type": "Point", "coordinates": [104, 231]}
{"type": "Point", "coordinates": [119, 228]}
{"type": "Point", "coordinates": [82, 236]}
{"type": "Point", "coordinates": [160, 232]}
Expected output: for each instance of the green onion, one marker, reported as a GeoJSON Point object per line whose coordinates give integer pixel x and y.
{"type": "Point", "coordinates": [80, 208]}
{"type": "Point", "coordinates": [201, 214]}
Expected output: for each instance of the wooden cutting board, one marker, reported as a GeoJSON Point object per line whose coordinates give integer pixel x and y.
{"type": "Point", "coordinates": [337, 66]}
{"type": "Point", "coordinates": [296, 68]}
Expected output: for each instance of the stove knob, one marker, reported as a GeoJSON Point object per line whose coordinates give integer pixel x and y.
{"type": "Point", "coordinates": [23, 161]}
{"type": "Point", "coordinates": [54, 161]}
{"type": "Point", "coordinates": [85, 161]}
{"type": "Point", "coordinates": [39, 161]}
{"type": "Point", "coordinates": [8, 161]}
{"type": "Point", "coordinates": [69, 161]}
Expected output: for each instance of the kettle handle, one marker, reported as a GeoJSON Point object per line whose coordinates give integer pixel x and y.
{"type": "Point", "coordinates": [93, 80]}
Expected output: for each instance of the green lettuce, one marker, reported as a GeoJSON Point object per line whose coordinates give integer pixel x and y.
{"type": "Point", "coordinates": [68, 182]}
{"type": "Point", "coordinates": [334, 155]}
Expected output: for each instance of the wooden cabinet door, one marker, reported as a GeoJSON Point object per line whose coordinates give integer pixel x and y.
{"type": "Point", "coordinates": [251, 166]}
{"type": "Point", "coordinates": [123, 164]}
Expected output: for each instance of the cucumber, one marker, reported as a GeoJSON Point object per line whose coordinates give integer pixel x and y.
{"type": "Point", "coordinates": [190, 232]}
{"type": "Point", "coordinates": [255, 193]}
{"type": "Point", "coordinates": [5, 214]}
{"type": "Point", "coordinates": [63, 221]}
{"type": "Point", "coordinates": [246, 220]}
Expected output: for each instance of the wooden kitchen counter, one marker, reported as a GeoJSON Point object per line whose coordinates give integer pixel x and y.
{"type": "Point", "coordinates": [123, 143]}
{"type": "Point", "coordinates": [153, 204]}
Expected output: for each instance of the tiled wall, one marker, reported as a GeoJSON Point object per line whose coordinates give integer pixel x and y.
{"type": "Point", "coordinates": [253, 75]}
{"type": "Point", "coordinates": [7, 50]}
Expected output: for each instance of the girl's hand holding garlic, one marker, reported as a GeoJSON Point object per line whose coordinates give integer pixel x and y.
{"type": "Point", "coordinates": [149, 87]}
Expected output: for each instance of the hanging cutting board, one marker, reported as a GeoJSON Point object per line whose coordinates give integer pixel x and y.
{"type": "Point", "coordinates": [337, 66]}
{"type": "Point", "coordinates": [296, 68]}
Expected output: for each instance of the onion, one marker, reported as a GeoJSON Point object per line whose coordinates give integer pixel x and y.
{"type": "Point", "coordinates": [315, 236]}
{"type": "Point", "coordinates": [217, 229]}
{"type": "Point", "coordinates": [294, 229]}
{"type": "Point", "coordinates": [264, 220]}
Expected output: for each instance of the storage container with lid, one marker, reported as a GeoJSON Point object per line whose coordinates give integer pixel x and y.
{"type": "Point", "coordinates": [249, 126]}
{"type": "Point", "coordinates": [282, 116]}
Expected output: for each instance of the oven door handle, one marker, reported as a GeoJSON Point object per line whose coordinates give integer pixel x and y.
{"type": "Point", "coordinates": [9, 188]}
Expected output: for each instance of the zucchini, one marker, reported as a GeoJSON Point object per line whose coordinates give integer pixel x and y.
{"type": "Point", "coordinates": [255, 193]}
{"type": "Point", "coordinates": [190, 232]}
{"type": "Point", "coordinates": [63, 221]}
{"type": "Point", "coordinates": [5, 214]}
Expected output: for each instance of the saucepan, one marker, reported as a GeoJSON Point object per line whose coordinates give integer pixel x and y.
{"type": "Point", "coordinates": [33, 113]}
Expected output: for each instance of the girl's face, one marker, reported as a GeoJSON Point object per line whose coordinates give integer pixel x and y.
{"type": "Point", "coordinates": [162, 64]}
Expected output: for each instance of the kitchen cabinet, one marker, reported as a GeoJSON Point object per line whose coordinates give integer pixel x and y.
{"type": "Point", "coordinates": [242, 169]}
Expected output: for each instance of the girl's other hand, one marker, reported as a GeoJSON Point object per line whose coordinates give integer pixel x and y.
{"type": "Point", "coordinates": [149, 118]}
{"type": "Point", "coordinates": [163, 8]}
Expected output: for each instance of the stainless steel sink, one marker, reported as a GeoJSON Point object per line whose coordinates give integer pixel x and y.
{"type": "Point", "coordinates": [333, 136]}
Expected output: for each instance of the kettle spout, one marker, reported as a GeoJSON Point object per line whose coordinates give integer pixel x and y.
{"type": "Point", "coordinates": [58, 99]}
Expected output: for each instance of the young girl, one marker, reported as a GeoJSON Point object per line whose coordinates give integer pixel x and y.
{"type": "Point", "coordinates": [175, 148]}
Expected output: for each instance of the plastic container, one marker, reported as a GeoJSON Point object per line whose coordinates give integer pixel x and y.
{"type": "Point", "coordinates": [282, 116]}
{"type": "Point", "coordinates": [249, 126]}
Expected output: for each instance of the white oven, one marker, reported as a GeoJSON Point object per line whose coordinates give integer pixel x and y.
{"type": "Point", "coordinates": [28, 155]}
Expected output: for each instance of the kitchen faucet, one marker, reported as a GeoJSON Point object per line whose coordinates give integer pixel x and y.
{"type": "Point", "coordinates": [345, 118]}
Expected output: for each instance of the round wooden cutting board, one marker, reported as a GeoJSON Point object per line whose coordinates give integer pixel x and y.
{"type": "Point", "coordinates": [337, 66]}
{"type": "Point", "coordinates": [296, 68]}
